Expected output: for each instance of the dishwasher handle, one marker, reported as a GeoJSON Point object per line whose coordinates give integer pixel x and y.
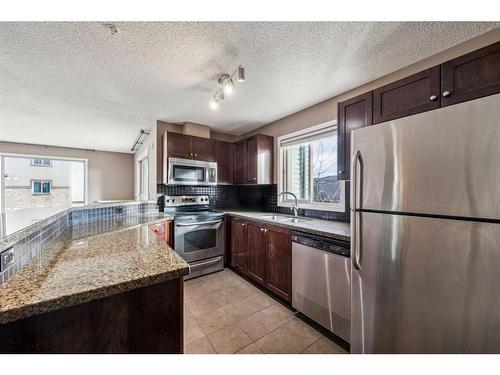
{"type": "Point", "coordinates": [324, 244]}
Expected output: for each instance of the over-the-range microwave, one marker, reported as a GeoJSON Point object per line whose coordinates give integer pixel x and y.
{"type": "Point", "coordinates": [191, 172]}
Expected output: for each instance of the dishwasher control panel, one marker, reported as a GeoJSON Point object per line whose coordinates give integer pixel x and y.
{"type": "Point", "coordinates": [322, 243]}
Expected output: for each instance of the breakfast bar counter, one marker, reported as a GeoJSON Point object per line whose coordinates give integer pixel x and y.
{"type": "Point", "coordinates": [107, 289]}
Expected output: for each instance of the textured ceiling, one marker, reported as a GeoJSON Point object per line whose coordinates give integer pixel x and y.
{"type": "Point", "coordinates": [74, 84]}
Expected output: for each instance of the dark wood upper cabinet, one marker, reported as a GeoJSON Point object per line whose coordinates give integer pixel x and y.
{"type": "Point", "coordinates": [471, 76]}
{"type": "Point", "coordinates": [224, 157]}
{"type": "Point", "coordinates": [189, 147]}
{"type": "Point", "coordinates": [203, 149]}
{"type": "Point", "coordinates": [279, 262]}
{"type": "Point", "coordinates": [239, 258]}
{"type": "Point", "coordinates": [353, 114]}
{"type": "Point", "coordinates": [414, 94]}
{"type": "Point", "coordinates": [259, 150]}
{"type": "Point", "coordinates": [179, 145]}
{"type": "Point", "coordinates": [256, 250]}
{"type": "Point", "coordinates": [239, 162]}
{"type": "Point", "coordinates": [251, 160]}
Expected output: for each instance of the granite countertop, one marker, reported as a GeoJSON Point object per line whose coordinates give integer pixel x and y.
{"type": "Point", "coordinates": [327, 228]}
{"type": "Point", "coordinates": [7, 240]}
{"type": "Point", "coordinates": [90, 268]}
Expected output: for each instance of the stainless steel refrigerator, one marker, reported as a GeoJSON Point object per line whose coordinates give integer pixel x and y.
{"type": "Point", "coordinates": [425, 245]}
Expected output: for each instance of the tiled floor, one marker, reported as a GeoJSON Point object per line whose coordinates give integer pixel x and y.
{"type": "Point", "coordinates": [226, 314]}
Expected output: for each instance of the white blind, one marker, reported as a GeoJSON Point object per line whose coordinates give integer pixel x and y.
{"type": "Point", "coordinates": [329, 131]}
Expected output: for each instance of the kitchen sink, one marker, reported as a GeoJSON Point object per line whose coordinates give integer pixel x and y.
{"type": "Point", "coordinates": [296, 220]}
{"type": "Point", "coordinates": [275, 217]}
{"type": "Point", "coordinates": [287, 219]}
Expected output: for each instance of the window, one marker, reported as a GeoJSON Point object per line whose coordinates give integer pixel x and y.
{"type": "Point", "coordinates": [30, 193]}
{"type": "Point", "coordinates": [41, 187]}
{"type": "Point", "coordinates": [41, 162]}
{"type": "Point", "coordinates": [308, 168]}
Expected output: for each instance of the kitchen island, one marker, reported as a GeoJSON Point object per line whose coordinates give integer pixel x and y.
{"type": "Point", "coordinates": [116, 292]}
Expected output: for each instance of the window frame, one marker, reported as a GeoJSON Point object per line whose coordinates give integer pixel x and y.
{"type": "Point", "coordinates": [41, 181]}
{"type": "Point", "coordinates": [287, 201]}
{"type": "Point", "coordinates": [34, 164]}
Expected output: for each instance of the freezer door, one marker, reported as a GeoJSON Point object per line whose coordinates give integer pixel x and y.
{"type": "Point", "coordinates": [442, 162]}
{"type": "Point", "coordinates": [426, 285]}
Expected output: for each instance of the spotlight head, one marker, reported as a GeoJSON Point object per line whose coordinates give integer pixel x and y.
{"type": "Point", "coordinates": [228, 87]}
{"type": "Point", "coordinates": [240, 74]}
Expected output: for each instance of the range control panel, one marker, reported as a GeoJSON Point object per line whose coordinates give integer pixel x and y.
{"type": "Point", "coordinates": [185, 200]}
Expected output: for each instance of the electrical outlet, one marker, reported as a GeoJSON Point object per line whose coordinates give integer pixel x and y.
{"type": "Point", "coordinates": [6, 258]}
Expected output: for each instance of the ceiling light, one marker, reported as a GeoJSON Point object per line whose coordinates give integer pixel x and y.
{"type": "Point", "coordinates": [226, 85]}
{"type": "Point", "coordinates": [214, 105]}
{"type": "Point", "coordinates": [240, 74]}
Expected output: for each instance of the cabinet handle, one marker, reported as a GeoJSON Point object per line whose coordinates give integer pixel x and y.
{"type": "Point", "coordinates": [262, 229]}
{"type": "Point", "coordinates": [195, 154]}
{"type": "Point", "coordinates": [446, 93]}
{"type": "Point", "coordinates": [242, 224]}
{"type": "Point", "coordinates": [255, 178]}
{"type": "Point", "coordinates": [433, 98]}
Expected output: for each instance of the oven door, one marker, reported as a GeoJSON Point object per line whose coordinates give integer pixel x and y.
{"type": "Point", "coordinates": [197, 241]}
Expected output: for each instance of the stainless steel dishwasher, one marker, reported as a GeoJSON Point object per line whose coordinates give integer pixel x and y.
{"type": "Point", "coordinates": [321, 281]}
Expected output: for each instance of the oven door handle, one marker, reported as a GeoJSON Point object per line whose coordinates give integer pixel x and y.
{"type": "Point", "coordinates": [200, 223]}
{"type": "Point", "coordinates": [211, 261]}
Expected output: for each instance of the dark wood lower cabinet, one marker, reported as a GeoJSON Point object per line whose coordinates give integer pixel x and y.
{"type": "Point", "coordinates": [263, 253]}
{"type": "Point", "coordinates": [256, 247]}
{"type": "Point", "coordinates": [144, 320]}
{"type": "Point", "coordinates": [239, 245]}
{"type": "Point", "coordinates": [279, 262]}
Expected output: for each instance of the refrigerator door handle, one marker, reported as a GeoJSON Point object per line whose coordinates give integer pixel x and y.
{"type": "Point", "coordinates": [356, 236]}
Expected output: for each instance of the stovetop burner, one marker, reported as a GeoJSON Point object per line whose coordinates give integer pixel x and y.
{"type": "Point", "coordinates": [190, 208]}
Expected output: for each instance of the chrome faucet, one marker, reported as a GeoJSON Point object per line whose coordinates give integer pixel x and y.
{"type": "Point", "coordinates": [295, 206]}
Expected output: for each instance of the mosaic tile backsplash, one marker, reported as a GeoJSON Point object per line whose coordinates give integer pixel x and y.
{"type": "Point", "coordinates": [249, 197]}
{"type": "Point", "coordinates": [61, 229]}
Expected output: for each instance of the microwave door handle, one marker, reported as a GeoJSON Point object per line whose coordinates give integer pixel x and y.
{"type": "Point", "coordinates": [199, 223]}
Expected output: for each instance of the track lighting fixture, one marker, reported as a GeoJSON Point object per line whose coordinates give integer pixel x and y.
{"type": "Point", "coordinates": [226, 86]}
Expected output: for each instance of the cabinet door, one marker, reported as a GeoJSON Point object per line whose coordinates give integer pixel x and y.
{"type": "Point", "coordinates": [408, 96]}
{"type": "Point", "coordinates": [179, 145]}
{"type": "Point", "coordinates": [353, 114]}
{"type": "Point", "coordinates": [279, 262]}
{"type": "Point", "coordinates": [224, 158]}
{"type": "Point", "coordinates": [256, 249]}
{"type": "Point", "coordinates": [251, 153]}
{"type": "Point", "coordinates": [471, 76]}
{"type": "Point", "coordinates": [239, 163]}
{"type": "Point", "coordinates": [203, 149]}
{"type": "Point", "coordinates": [239, 244]}
{"type": "Point", "coordinates": [168, 234]}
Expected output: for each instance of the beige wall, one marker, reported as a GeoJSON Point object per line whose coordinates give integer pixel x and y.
{"type": "Point", "coordinates": [110, 174]}
{"type": "Point", "coordinates": [327, 110]}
